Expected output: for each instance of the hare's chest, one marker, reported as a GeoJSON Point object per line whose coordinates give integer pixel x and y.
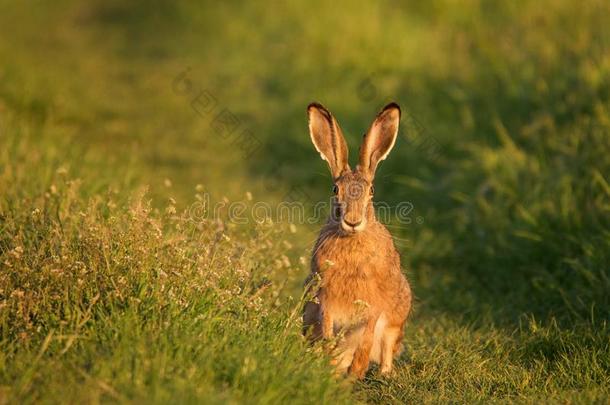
{"type": "Point", "coordinates": [348, 254]}
{"type": "Point", "coordinates": [348, 292]}
{"type": "Point", "coordinates": [350, 267]}
{"type": "Point", "coordinates": [352, 273]}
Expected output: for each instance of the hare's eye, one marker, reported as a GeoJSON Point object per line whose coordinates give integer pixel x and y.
{"type": "Point", "coordinates": [335, 189]}
{"type": "Point", "coordinates": [372, 189]}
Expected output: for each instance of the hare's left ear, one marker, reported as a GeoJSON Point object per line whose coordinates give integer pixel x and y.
{"type": "Point", "coordinates": [328, 139]}
{"type": "Point", "coordinates": [380, 139]}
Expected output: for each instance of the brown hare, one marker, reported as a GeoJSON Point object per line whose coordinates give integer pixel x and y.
{"type": "Point", "coordinates": [360, 295]}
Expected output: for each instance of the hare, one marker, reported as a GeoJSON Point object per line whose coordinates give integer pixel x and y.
{"type": "Point", "coordinates": [360, 296]}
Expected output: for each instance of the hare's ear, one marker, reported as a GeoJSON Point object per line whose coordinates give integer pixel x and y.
{"type": "Point", "coordinates": [328, 139]}
{"type": "Point", "coordinates": [380, 139]}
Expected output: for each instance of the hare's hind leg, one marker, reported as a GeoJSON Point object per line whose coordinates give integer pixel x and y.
{"type": "Point", "coordinates": [360, 364]}
{"type": "Point", "coordinates": [390, 344]}
{"type": "Point", "coordinates": [344, 353]}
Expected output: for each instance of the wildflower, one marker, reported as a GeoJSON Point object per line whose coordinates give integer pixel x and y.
{"type": "Point", "coordinates": [293, 228]}
{"type": "Point", "coordinates": [248, 196]}
{"type": "Point", "coordinates": [167, 183]}
{"type": "Point", "coordinates": [17, 252]}
{"type": "Point", "coordinates": [17, 293]}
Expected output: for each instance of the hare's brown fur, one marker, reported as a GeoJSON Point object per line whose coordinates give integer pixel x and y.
{"type": "Point", "coordinates": [360, 293]}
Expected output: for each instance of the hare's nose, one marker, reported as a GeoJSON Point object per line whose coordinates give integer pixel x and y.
{"type": "Point", "coordinates": [352, 224]}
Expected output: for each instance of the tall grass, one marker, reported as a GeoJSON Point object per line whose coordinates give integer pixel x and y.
{"type": "Point", "coordinates": [118, 300]}
{"type": "Point", "coordinates": [113, 289]}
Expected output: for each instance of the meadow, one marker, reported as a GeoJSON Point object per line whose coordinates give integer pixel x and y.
{"type": "Point", "coordinates": [118, 120]}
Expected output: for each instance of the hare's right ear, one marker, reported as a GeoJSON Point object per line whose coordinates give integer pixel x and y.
{"type": "Point", "coordinates": [328, 139]}
{"type": "Point", "coordinates": [380, 139]}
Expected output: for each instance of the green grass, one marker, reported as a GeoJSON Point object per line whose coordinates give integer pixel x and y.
{"type": "Point", "coordinates": [111, 292]}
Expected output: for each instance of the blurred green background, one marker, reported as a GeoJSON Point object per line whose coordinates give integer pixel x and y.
{"type": "Point", "coordinates": [504, 152]}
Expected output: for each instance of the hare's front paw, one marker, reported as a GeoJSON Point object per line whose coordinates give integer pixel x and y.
{"type": "Point", "coordinates": [358, 368]}
{"type": "Point", "coordinates": [386, 370]}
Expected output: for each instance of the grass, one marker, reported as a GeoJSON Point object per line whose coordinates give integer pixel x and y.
{"type": "Point", "coordinates": [114, 289]}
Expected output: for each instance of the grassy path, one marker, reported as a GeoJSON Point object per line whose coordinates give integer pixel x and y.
{"type": "Point", "coordinates": [109, 292]}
